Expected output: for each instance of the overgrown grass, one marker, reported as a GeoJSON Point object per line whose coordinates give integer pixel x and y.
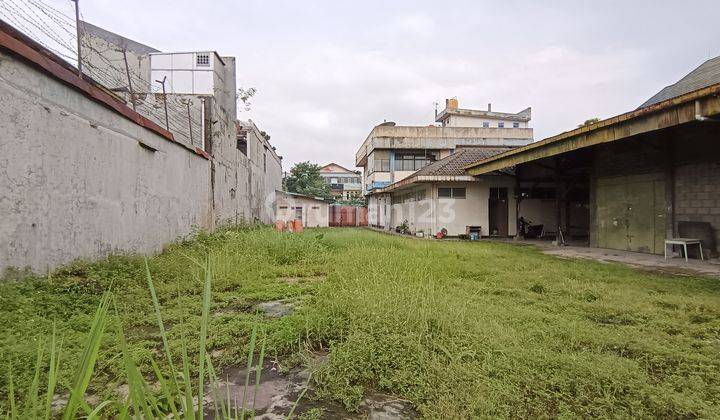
{"type": "Point", "coordinates": [459, 329]}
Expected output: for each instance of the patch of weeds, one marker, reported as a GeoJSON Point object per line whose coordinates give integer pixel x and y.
{"type": "Point", "coordinates": [666, 305]}
{"type": "Point", "coordinates": [315, 413]}
{"type": "Point", "coordinates": [700, 318]}
{"type": "Point", "coordinates": [612, 318]}
{"type": "Point", "coordinates": [537, 288]}
{"type": "Point", "coordinates": [589, 297]}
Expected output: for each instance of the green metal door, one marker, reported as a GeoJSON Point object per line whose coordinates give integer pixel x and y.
{"type": "Point", "coordinates": [631, 213]}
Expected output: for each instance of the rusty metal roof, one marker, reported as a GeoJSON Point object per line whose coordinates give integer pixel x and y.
{"type": "Point", "coordinates": [686, 108]}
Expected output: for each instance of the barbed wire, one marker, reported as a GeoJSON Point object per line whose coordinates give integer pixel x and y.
{"type": "Point", "coordinates": [57, 32]}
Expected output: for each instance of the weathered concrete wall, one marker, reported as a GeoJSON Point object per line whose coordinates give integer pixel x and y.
{"type": "Point", "coordinates": [75, 182]}
{"type": "Point", "coordinates": [424, 211]}
{"type": "Point", "coordinates": [264, 175]}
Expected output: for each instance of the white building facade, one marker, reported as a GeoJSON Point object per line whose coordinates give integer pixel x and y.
{"type": "Point", "coordinates": [392, 153]}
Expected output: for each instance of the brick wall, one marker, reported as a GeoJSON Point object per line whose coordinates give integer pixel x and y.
{"type": "Point", "coordinates": [697, 191]}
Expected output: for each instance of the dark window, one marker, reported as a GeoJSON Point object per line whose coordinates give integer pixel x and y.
{"type": "Point", "coordinates": [413, 160]}
{"type": "Point", "coordinates": [242, 145]}
{"type": "Point", "coordinates": [501, 124]}
{"type": "Point", "coordinates": [499, 193]}
{"type": "Point", "coordinates": [486, 124]}
{"type": "Point", "coordinates": [451, 192]}
{"type": "Point", "coordinates": [516, 125]}
{"type": "Point", "coordinates": [444, 192]}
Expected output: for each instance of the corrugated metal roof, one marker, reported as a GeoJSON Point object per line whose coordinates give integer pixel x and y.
{"type": "Point", "coordinates": [707, 74]}
{"type": "Point", "coordinates": [455, 164]}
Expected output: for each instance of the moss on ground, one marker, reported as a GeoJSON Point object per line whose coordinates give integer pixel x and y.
{"type": "Point", "coordinates": [461, 329]}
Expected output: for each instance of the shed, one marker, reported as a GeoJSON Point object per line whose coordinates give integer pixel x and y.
{"type": "Point", "coordinates": [313, 211]}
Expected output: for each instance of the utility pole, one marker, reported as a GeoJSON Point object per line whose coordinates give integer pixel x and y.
{"type": "Point", "coordinates": [77, 30]}
{"type": "Point", "coordinates": [167, 120]}
{"type": "Point", "coordinates": [127, 72]}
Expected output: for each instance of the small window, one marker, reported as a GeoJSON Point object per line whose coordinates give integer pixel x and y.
{"type": "Point", "coordinates": [451, 192]}
{"type": "Point", "coordinates": [486, 124]}
{"type": "Point", "coordinates": [242, 145]}
{"type": "Point", "coordinates": [203, 60]}
{"type": "Point", "coordinates": [516, 125]}
{"type": "Point", "coordinates": [283, 207]}
{"type": "Point", "coordinates": [501, 124]}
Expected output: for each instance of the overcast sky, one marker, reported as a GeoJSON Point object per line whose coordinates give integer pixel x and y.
{"type": "Point", "coordinates": [328, 71]}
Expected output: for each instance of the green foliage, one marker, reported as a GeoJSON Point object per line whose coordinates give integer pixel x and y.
{"type": "Point", "coordinates": [463, 330]}
{"type": "Point", "coordinates": [305, 179]}
{"type": "Point", "coordinates": [591, 121]}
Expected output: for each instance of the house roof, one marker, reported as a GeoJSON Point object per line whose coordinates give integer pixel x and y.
{"type": "Point", "coordinates": [292, 194]}
{"type": "Point", "coordinates": [451, 168]}
{"type": "Point", "coordinates": [455, 164]}
{"type": "Point", "coordinates": [706, 74]}
{"type": "Point", "coordinates": [329, 168]}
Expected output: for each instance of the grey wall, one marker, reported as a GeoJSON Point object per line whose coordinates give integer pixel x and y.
{"type": "Point", "coordinates": [75, 183]}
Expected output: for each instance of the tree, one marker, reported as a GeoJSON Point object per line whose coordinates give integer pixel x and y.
{"type": "Point", "coordinates": [305, 179]}
{"type": "Point", "coordinates": [245, 95]}
{"type": "Point", "coordinates": [589, 122]}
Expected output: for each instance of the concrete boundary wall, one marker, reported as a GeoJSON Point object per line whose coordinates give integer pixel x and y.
{"type": "Point", "coordinates": [80, 180]}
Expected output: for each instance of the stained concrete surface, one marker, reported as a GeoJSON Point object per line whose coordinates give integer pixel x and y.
{"type": "Point", "coordinates": [649, 262]}
{"type": "Point", "coordinates": [278, 392]}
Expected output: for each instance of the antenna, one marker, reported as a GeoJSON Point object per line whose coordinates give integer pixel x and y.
{"type": "Point", "coordinates": [436, 108]}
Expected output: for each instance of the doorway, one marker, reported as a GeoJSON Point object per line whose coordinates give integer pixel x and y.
{"type": "Point", "coordinates": [498, 212]}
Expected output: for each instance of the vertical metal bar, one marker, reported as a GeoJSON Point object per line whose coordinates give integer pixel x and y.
{"type": "Point", "coordinates": [167, 120]}
{"type": "Point", "coordinates": [77, 30]}
{"type": "Point", "coordinates": [127, 72]}
{"type": "Point", "coordinates": [190, 121]}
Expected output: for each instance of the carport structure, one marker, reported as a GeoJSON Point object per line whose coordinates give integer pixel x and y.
{"type": "Point", "coordinates": [627, 182]}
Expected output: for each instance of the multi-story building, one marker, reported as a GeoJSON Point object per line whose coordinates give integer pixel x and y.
{"type": "Point", "coordinates": [391, 153]}
{"type": "Point", "coordinates": [344, 183]}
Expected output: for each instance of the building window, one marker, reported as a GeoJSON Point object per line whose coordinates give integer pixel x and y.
{"type": "Point", "coordinates": [203, 60]}
{"type": "Point", "coordinates": [242, 145]}
{"type": "Point", "coordinates": [413, 161]}
{"type": "Point", "coordinates": [451, 192]}
{"type": "Point", "coordinates": [501, 124]}
{"type": "Point", "coordinates": [486, 124]}
{"type": "Point", "coordinates": [516, 125]}
{"type": "Point", "coordinates": [381, 165]}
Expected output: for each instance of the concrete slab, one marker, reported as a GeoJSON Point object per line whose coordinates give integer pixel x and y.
{"type": "Point", "coordinates": [650, 262]}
